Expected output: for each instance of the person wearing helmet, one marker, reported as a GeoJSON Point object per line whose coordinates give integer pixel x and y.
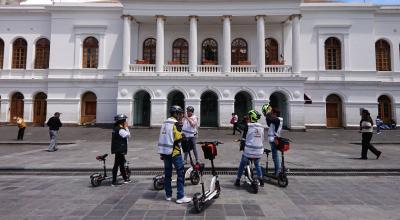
{"type": "Point", "coordinates": [119, 147]}
{"type": "Point", "coordinates": [274, 123]}
{"type": "Point", "coordinates": [252, 141]}
{"type": "Point", "coordinates": [189, 129]}
{"type": "Point", "coordinates": [170, 152]}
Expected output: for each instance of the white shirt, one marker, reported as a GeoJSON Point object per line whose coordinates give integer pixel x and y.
{"type": "Point", "coordinates": [124, 133]}
{"type": "Point", "coordinates": [190, 129]}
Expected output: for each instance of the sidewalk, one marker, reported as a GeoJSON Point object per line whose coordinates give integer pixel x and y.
{"type": "Point", "coordinates": [314, 149]}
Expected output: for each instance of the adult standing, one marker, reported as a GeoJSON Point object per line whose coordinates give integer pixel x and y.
{"type": "Point", "coordinates": [21, 128]}
{"type": "Point", "coordinates": [234, 122]}
{"type": "Point", "coordinates": [170, 152]}
{"type": "Point", "coordinates": [366, 128]}
{"type": "Point", "coordinates": [189, 129]}
{"type": "Point", "coordinates": [54, 124]}
{"type": "Point", "coordinates": [274, 123]}
{"type": "Point", "coordinates": [119, 147]}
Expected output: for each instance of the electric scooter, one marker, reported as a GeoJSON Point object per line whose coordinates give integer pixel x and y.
{"type": "Point", "coordinates": [200, 200]}
{"type": "Point", "coordinates": [282, 145]}
{"type": "Point", "coordinates": [190, 174]}
{"type": "Point", "coordinates": [97, 178]}
{"type": "Point", "coordinates": [249, 177]}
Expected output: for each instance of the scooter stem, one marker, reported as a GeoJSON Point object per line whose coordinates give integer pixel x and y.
{"type": "Point", "coordinates": [104, 168]}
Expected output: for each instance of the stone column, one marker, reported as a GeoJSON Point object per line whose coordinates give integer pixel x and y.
{"type": "Point", "coordinates": [295, 44]}
{"type": "Point", "coordinates": [7, 55]}
{"type": "Point", "coordinates": [28, 110]}
{"type": "Point", "coordinates": [126, 50]}
{"type": "Point", "coordinates": [261, 43]}
{"type": "Point", "coordinates": [160, 44]}
{"type": "Point", "coordinates": [226, 107]}
{"type": "Point", "coordinates": [193, 45]}
{"type": "Point", "coordinates": [4, 109]}
{"type": "Point", "coordinates": [158, 111]}
{"type": "Point", "coordinates": [124, 106]}
{"type": "Point", "coordinates": [30, 55]}
{"type": "Point", "coordinates": [227, 44]}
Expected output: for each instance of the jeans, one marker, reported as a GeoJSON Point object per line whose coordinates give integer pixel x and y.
{"type": "Point", "coordinates": [21, 134]}
{"type": "Point", "coordinates": [53, 140]}
{"type": "Point", "coordinates": [366, 145]}
{"type": "Point", "coordinates": [275, 158]}
{"type": "Point", "coordinates": [192, 144]}
{"type": "Point", "coordinates": [119, 162]}
{"type": "Point", "coordinates": [177, 161]}
{"type": "Point", "coordinates": [243, 163]}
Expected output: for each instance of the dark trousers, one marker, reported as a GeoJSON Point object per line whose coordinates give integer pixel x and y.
{"type": "Point", "coordinates": [119, 162]}
{"type": "Point", "coordinates": [21, 134]}
{"type": "Point", "coordinates": [366, 145]}
{"type": "Point", "coordinates": [235, 128]}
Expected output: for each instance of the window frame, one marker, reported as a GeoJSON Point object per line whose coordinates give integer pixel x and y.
{"type": "Point", "coordinates": [180, 53]}
{"type": "Point", "coordinates": [90, 53]}
{"type": "Point", "coordinates": [19, 53]}
{"type": "Point", "coordinates": [236, 54]}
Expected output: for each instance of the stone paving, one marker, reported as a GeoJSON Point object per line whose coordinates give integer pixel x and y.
{"type": "Point", "coordinates": [316, 148]}
{"type": "Point", "coordinates": [58, 197]}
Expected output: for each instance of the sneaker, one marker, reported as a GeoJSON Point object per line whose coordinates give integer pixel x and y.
{"type": "Point", "coordinates": [237, 182]}
{"type": "Point", "coordinates": [183, 200]}
{"type": "Point", "coordinates": [261, 182]}
{"type": "Point", "coordinates": [116, 184]}
{"type": "Point", "coordinates": [378, 132]}
{"type": "Point", "coordinates": [168, 198]}
{"type": "Point", "coordinates": [127, 181]}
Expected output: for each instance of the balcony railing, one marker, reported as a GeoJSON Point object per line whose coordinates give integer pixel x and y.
{"type": "Point", "coordinates": [176, 68]}
{"type": "Point", "coordinates": [209, 68]}
{"type": "Point", "coordinates": [243, 68]}
{"type": "Point", "coordinates": [278, 69]}
{"type": "Point", "coordinates": [144, 68]}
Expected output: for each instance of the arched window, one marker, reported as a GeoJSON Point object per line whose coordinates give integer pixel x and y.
{"type": "Point", "coordinates": [149, 50]}
{"type": "Point", "coordinates": [209, 51]}
{"type": "Point", "coordinates": [333, 54]}
{"type": "Point", "coordinates": [90, 53]}
{"type": "Point", "coordinates": [271, 51]}
{"type": "Point", "coordinates": [42, 54]}
{"type": "Point", "coordinates": [239, 51]}
{"type": "Point", "coordinates": [382, 54]}
{"type": "Point", "coordinates": [19, 54]}
{"type": "Point", "coordinates": [180, 51]}
{"type": "Point", "coordinates": [1, 53]}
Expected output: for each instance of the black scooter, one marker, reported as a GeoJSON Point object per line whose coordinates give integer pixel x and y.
{"type": "Point", "coordinates": [200, 200]}
{"type": "Point", "coordinates": [249, 177]}
{"type": "Point", "coordinates": [97, 178]}
{"type": "Point", "coordinates": [282, 145]}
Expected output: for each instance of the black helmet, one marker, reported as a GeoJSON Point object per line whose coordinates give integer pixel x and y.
{"type": "Point", "coordinates": [190, 109]}
{"type": "Point", "coordinates": [120, 117]}
{"type": "Point", "coordinates": [175, 109]}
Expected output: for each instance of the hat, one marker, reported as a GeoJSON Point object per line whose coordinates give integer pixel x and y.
{"type": "Point", "coordinates": [57, 113]}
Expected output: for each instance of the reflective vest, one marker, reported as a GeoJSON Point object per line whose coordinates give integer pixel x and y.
{"type": "Point", "coordinates": [187, 129]}
{"type": "Point", "coordinates": [254, 141]}
{"type": "Point", "coordinates": [166, 139]}
{"type": "Point", "coordinates": [271, 130]}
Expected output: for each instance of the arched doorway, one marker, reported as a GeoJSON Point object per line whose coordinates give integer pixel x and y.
{"type": "Point", "coordinates": [209, 109]}
{"type": "Point", "coordinates": [385, 108]}
{"type": "Point", "coordinates": [278, 100]}
{"type": "Point", "coordinates": [334, 111]}
{"type": "Point", "coordinates": [40, 108]}
{"type": "Point", "coordinates": [243, 103]}
{"type": "Point", "coordinates": [88, 108]}
{"type": "Point", "coordinates": [17, 106]}
{"type": "Point", "coordinates": [175, 98]}
{"type": "Point", "coordinates": [142, 110]}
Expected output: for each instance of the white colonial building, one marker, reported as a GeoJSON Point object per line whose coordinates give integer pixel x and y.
{"type": "Point", "coordinates": [319, 63]}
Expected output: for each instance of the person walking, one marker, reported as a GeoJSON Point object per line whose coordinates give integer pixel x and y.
{"type": "Point", "coordinates": [366, 128]}
{"type": "Point", "coordinates": [170, 152]}
{"type": "Point", "coordinates": [234, 122]}
{"type": "Point", "coordinates": [119, 147]}
{"type": "Point", "coordinates": [274, 123]}
{"type": "Point", "coordinates": [21, 128]}
{"type": "Point", "coordinates": [54, 124]}
{"type": "Point", "coordinates": [189, 129]}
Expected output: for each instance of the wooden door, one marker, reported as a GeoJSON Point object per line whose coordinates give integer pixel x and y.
{"type": "Point", "coordinates": [17, 107]}
{"type": "Point", "coordinates": [385, 109]}
{"type": "Point", "coordinates": [40, 109]}
{"type": "Point", "coordinates": [333, 112]}
{"type": "Point", "coordinates": [88, 108]}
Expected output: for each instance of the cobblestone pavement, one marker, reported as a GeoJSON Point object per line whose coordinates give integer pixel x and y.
{"type": "Point", "coordinates": [58, 197]}
{"type": "Point", "coordinates": [316, 148]}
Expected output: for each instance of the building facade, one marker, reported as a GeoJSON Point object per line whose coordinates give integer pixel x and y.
{"type": "Point", "coordinates": [319, 63]}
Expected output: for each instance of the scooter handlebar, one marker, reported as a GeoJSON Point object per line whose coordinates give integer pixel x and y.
{"type": "Point", "coordinates": [210, 142]}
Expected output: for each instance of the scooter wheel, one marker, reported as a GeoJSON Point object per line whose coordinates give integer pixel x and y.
{"type": "Point", "coordinates": [197, 203]}
{"type": "Point", "coordinates": [254, 185]}
{"type": "Point", "coordinates": [283, 181]}
{"type": "Point", "coordinates": [95, 180]}
{"type": "Point", "coordinates": [218, 189]}
{"type": "Point", "coordinates": [194, 177]}
{"type": "Point", "coordinates": [158, 184]}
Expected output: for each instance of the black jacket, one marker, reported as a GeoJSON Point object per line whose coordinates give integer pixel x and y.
{"type": "Point", "coordinates": [118, 143]}
{"type": "Point", "coordinates": [54, 123]}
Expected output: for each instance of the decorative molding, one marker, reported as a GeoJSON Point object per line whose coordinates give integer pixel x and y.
{"type": "Point", "coordinates": [90, 29]}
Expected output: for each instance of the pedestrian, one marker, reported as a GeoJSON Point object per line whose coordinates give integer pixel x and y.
{"type": "Point", "coordinates": [366, 128]}
{"type": "Point", "coordinates": [170, 152]}
{"type": "Point", "coordinates": [253, 146]}
{"type": "Point", "coordinates": [119, 147]}
{"type": "Point", "coordinates": [54, 124]}
{"type": "Point", "coordinates": [189, 129]}
{"type": "Point", "coordinates": [234, 122]}
{"type": "Point", "coordinates": [21, 128]}
{"type": "Point", "coordinates": [380, 125]}
{"type": "Point", "coordinates": [274, 123]}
